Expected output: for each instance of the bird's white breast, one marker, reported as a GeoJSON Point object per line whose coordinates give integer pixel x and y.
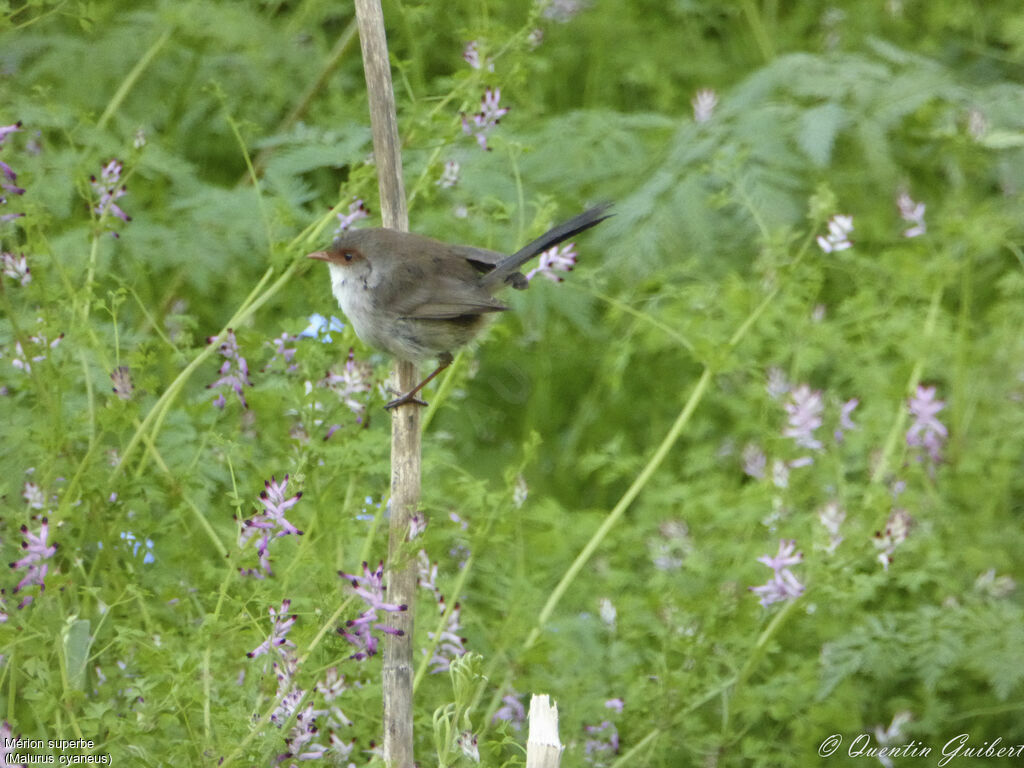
{"type": "Point", "coordinates": [355, 297]}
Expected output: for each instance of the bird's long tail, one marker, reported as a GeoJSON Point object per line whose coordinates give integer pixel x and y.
{"type": "Point", "coordinates": [510, 266]}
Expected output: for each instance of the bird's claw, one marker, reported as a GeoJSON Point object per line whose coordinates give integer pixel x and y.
{"type": "Point", "coordinates": [408, 397]}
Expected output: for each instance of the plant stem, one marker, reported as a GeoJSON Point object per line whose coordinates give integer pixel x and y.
{"type": "Point", "coordinates": [899, 423]}
{"type": "Point", "coordinates": [132, 78]}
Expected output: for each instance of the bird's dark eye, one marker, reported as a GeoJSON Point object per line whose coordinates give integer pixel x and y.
{"type": "Point", "coordinates": [348, 255]}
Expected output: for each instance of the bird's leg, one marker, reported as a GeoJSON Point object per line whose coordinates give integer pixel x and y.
{"type": "Point", "coordinates": [444, 360]}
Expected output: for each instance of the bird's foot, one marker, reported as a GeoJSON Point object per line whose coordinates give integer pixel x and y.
{"type": "Point", "coordinates": [408, 397]}
{"type": "Point", "coordinates": [444, 360]}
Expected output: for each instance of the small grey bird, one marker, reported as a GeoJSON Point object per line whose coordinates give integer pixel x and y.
{"type": "Point", "coordinates": [419, 298]}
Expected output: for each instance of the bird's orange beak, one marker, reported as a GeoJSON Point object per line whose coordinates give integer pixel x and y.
{"type": "Point", "coordinates": [319, 256]}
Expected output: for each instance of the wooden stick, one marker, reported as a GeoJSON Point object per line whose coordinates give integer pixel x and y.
{"type": "Point", "coordinates": [405, 422]}
{"type": "Point", "coordinates": [543, 748]}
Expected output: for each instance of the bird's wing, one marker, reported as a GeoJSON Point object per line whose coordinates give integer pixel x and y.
{"type": "Point", "coordinates": [445, 298]}
{"type": "Point", "coordinates": [437, 281]}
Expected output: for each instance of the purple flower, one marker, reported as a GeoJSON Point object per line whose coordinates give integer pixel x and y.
{"type": "Point", "coordinates": [912, 213]}
{"type": "Point", "coordinates": [490, 114]}
{"type": "Point", "coordinates": [417, 525]}
{"type": "Point", "coordinates": [897, 528]}
{"type": "Point", "coordinates": [289, 696]}
{"type": "Point", "coordinates": [33, 495]}
{"type": "Point", "coordinates": [6, 130]}
{"type": "Point", "coordinates": [36, 553]}
{"type": "Point", "coordinates": [597, 750]}
{"type": "Point", "coordinates": [671, 547]}
{"type": "Point", "coordinates": [472, 56]}
{"type": "Point", "coordinates": [467, 744]}
{"type": "Point", "coordinates": [927, 431]}
{"type": "Point", "coordinates": [449, 176]}
{"type": "Point", "coordinates": [845, 422]}
{"type": "Point", "coordinates": [109, 189]}
{"type": "Point", "coordinates": [7, 179]}
{"type": "Point", "coordinates": [556, 259]}
{"type": "Point", "coordinates": [356, 211]}
{"type": "Point", "coordinates": [282, 350]}
{"type": "Point", "coordinates": [122, 379]}
{"type": "Point", "coordinates": [511, 710]}
{"type": "Point", "coordinates": [301, 741]}
{"type": "Point", "coordinates": [234, 372]}
{"type": "Point", "coordinates": [275, 504]}
{"type": "Point", "coordinates": [341, 749]}
{"type": "Point", "coordinates": [427, 578]}
{"type": "Point", "coordinates": [269, 524]}
{"type": "Point", "coordinates": [804, 408]}
{"type": "Point", "coordinates": [16, 267]}
{"type": "Point", "coordinates": [785, 557]}
{"type": "Point", "coordinates": [332, 686]}
{"type": "Point", "coordinates": [369, 587]}
{"type": "Point", "coordinates": [354, 380]}
{"type": "Point", "coordinates": [294, 705]}
{"type": "Point", "coordinates": [281, 625]}
{"type": "Point", "coordinates": [783, 584]}
{"type": "Point", "coordinates": [23, 362]}
{"type": "Point", "coordinates": [837, 239]}
{"type": "Point", "coordinates": [450, 645]}
{"type": "Point", "coordinates": [831, 517]}
{"type": "Point", "coordinates": [7, 175]}
{"type": "Point", "coordinates": [562, 10]}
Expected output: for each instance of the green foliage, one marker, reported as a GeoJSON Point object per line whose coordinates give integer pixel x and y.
{"type": "Point", "coordinates": [584, 468]}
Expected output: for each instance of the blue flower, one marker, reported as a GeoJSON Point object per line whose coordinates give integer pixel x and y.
{"type": "Point", "coordinates": [129, 537]}
{"type": "Point", "coordinates": [318, 324]}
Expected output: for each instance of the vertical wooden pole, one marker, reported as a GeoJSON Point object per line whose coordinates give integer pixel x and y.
{"type": "Point", "coordinates": [405, 423]}
{"type": "Point", "coordinates": [543, 748]}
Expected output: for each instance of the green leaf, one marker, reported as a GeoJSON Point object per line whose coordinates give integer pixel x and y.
{"type": "Point", "coordinates": [818, 129]}
{"type": "Point", "coordinates": [77, 643]}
